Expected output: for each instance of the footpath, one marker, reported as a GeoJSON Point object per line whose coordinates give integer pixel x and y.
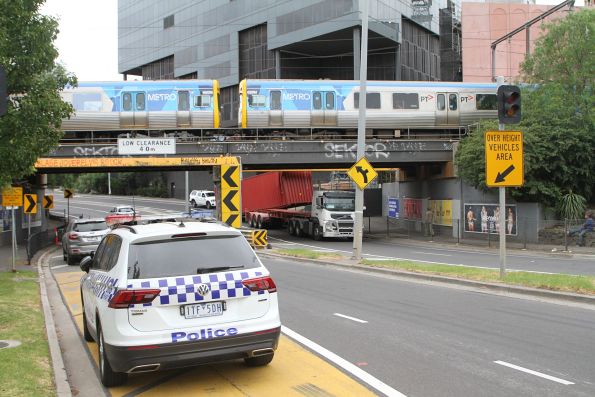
{"type": "Point", "coordinates": [61, 332]}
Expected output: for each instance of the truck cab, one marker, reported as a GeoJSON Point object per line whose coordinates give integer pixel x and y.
{"type": "Point", "coordinates": [334, 211]}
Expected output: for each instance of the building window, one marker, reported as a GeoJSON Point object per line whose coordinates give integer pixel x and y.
{"type": "Point", "coordinates": [405, 101]}
{"type": "Point", "coordinates": [168, 21]}
{"type": "Point", "coordinates": [372, 100]}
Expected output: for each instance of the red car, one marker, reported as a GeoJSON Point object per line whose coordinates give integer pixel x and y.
{"type": "Point", "coordinates": [121, 213]}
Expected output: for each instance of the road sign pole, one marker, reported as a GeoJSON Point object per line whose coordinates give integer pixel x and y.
{"type": "Point", "coordinates": [502, 193]}
{"type": "Point", "coordinates": [68, 210]}
{"type": "Point", "coordinates": [14, 242]}
{"type": "Point", "coordinates": [186, 192]}
{"type": "Point", "coordinates": [361, 133]}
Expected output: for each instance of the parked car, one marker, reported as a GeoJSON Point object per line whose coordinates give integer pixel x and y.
{"type": "Point", "coordinates": [121, 213]}
{"type": "Point", "coordinates": [175, 294]}
{"type": "Point", "coordinates": [202, 198]}
{"type": "Point", "coordinates": [81, 238]}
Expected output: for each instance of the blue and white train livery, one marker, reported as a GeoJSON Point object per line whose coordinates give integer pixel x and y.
{"type": "Point", "coordinates": [389, 104]}
{"type": "Point", "coordinates": [147, 105]}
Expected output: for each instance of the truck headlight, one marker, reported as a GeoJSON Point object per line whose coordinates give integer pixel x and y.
{"type": "Point", "coordinates": [331, 226]}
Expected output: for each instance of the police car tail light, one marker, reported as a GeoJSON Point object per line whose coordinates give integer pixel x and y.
{"type": "Point", "coordinates": [126, 297]}
{"type": "Point", "coordinates": [73, 236]}
{"type": "Point", "coordinates": [260, 284]}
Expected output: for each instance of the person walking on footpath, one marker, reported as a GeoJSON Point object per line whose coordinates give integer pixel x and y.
{"type": "Point", "coordinates": [429, 221]}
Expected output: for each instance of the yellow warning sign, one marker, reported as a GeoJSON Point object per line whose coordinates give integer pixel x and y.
{"type": "Point", "coordinates": [231, 205]}
{"type": "Point", "coordinates": [68, 193]}
{"type": "Point", "coordinates": [259, 238]}
{"type": "Point", "coordinates": [504, 158]}
{"type": "Point", "coordinates": [12, 197]}
{"type": "Point", "coordinates": [30, 206]}
{"type": "Point", "coordinates": [362, 173]}
{"type": "Point", "coordinates": [48, 201]}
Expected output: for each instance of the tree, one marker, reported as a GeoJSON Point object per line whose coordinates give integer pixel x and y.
{"type": "Point", "coordinates": [557, 125]}
{"type": "Point", "coordinates": [31, 127]}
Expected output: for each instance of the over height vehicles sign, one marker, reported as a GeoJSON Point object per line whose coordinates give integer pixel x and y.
{"type": "Point", "coordinates": [504, 158]}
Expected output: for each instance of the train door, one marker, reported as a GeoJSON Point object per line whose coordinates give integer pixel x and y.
{"type": "Point", "coordinates": [324, 110]}
{"type": "Point", "coordinates": [447, 108]}
{"type": "Point", "coordinates": [276, 111]}
{"type": "Point", "coordinates": [134, 109]}
{"type": "Point", "coordinates": [183, 113]}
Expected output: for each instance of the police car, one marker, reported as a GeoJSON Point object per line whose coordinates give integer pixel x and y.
{"type": "Point", "coordinates": [176, 294]}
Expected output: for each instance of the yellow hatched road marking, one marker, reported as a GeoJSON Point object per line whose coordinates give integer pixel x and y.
{"type": "Point", "coordinates": [293, 372]}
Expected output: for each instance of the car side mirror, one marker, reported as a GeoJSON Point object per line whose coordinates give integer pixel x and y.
{"type": "Point", "coordinates": [86, 264]}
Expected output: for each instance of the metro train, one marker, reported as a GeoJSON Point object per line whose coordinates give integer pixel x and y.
{"type": "Point", "coordinates": [278, 105]}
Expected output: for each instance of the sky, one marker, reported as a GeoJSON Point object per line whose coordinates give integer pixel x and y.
{"type": "Point", "coordinates": [88, 38]}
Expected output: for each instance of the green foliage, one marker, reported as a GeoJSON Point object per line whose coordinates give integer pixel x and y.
{"type": "Point", "coordinates": [558, 122]}
{"type": "Point", "coordinates": [572, 206]}
{"type": "Point", "coordinates": [31, 127]}
{"type": "Point", "coordinates": [152, 184]}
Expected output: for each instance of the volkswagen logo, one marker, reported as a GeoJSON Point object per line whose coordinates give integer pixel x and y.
{"type": "Point", "coordinates": [203, 289]}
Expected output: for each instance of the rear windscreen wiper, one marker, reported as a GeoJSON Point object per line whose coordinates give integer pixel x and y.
{"type": "Point", "coordinates": [202, 270]}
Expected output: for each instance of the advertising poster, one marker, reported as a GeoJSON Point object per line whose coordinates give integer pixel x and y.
{"type": "Point", "coordinates": [412, 208]}
{"type": "Point", "coordinates": [393, 207]}
{"type": "Point", "coordinates": [479, 218]}
{"type": "Point", "coordinates": [442, 210]}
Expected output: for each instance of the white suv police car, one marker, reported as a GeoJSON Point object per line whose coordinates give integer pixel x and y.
{"type": "Point", "coordinates": [174, 294]}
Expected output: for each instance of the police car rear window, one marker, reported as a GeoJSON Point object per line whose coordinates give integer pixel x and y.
{"type": "Point", "coordinates": [188, 256]}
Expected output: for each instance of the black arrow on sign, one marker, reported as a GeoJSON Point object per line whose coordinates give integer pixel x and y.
{"type": "Point", "coordinates": [228, 198]}
{"type": "Point", "coordinates": [501, 176]}
{"type": "Point", "coordinates": [362, 171]}
{"type": "Point", "coordinates": [48, 202]}
{"type": "Point", "coordinates": [31, 203]}
{"type": "Point", "coordinates": [231, 219]}
{"type": "Point", "coordinates": [227, 177]}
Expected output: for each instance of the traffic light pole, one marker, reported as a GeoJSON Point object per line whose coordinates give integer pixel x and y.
{"type": "Point", "coordinates": [502, 218]}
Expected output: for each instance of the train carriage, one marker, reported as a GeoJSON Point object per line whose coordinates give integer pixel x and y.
{"type": "Point", "coordinates": [143, 105]}
{"type": "Point", "coordinates": [389, 104]}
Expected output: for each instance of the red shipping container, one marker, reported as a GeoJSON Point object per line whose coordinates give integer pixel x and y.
{"type": "Point", "coordinates": [277, 189]}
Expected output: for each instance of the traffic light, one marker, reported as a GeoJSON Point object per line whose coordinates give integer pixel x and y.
{"type": "Point", "coordinates": [509, 104]}
{"type": "Point", "coordinates": [3, 103]}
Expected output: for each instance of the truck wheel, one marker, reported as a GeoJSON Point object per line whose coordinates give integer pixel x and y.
{"type": "Point", "coordinates": [317, 233]}
{"type": "Point", "coordinates": [291, 228]}
{"type": "Point", "coordinates": [252, 222]}
{"type": "Point", "coordinates": [298, 230]}
{"type": "Point", "coordinates": [259, 223]}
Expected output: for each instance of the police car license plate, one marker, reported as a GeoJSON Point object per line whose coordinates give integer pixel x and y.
{"type": "Point", "coordinates": [202, 309]}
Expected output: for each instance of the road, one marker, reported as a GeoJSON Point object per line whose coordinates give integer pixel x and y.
{"type": "Point", "coordinates": [98, 205]}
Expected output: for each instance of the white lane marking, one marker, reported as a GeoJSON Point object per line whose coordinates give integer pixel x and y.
{"type": "Point", "coordinates": [350, 318]}
{"type": "Point", "coordinates": [59, 266]}
{"type": "Point", "coordinates": [429, 253]}
{"type": "Point", "coordinates": [530, 371]}
{"type": "Point", "coordinates": [341, 362]}
{"type": "Point", "coordinates": [56, 257]}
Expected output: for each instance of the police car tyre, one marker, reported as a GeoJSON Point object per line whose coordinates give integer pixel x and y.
{"type": "Point", "coordinates": [259, 361]}
{"type": "Point", "coordinates": [109, 378]}
{"type": "Point", "coordinates": [86, 333]}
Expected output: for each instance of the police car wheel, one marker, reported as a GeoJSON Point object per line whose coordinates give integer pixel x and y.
{"type": "Point", "coordinates": [109, 378]}
{"type": "Point", "coordinates": [86, 334]}
{"type": "Point", "coordinates": [259, 361]}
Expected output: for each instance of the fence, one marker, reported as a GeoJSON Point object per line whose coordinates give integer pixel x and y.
{"type": "Point", "coordinates": [38, 241]}
{"type": "Point", "coordinates": [525, 232]}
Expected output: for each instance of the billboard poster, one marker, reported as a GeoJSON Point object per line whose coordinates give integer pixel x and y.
{"type": "Point", "coordinates": [393, 207]}
{"type": "Point", "coordinates": [412, 208]}
{"type": "Point", "coordinates": [442, 210]}
{"type": "Point", "coordinates": [481, 218]}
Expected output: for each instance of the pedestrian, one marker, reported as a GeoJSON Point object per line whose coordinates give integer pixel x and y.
{"type": "Point", "coordinates": [586, 228]}
{"type": "Point", "coordinates": [429, 221]}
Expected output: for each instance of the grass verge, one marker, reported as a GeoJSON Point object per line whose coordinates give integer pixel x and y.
{"type": "Point", "coordinates": [306, 253]}
{"type": "Point", "coordinates": [24, 370]}
{"type": "Point", "coordinates": [554, 282]}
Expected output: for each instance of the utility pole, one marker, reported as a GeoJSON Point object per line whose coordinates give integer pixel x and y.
{"type": "Point", "coordinates": [361, 132]}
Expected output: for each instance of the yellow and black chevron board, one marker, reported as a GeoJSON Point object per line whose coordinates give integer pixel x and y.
{"type": "Point", "coordinates": [259, 238]}
{"type": "Point", "coordinates": [231, 205]}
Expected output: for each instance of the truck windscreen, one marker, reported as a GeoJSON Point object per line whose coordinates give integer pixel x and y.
{"type": "Point", "coordinates": [339, 204]}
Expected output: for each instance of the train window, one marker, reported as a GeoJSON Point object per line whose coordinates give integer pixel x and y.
{"type": "Point", "coordinates": [316, 100]}
{"type": "Point", "coordinates": [486, 102]}
{"type": "Point", "coordinates": [452, 101]}
{"type": "Point", "coordinates": [372, 100]}
{"type": "Point", "coordinates": [89, 102]}
{"type": "Point", "coordinates": [202, 101]}
{"type": "Point", "coordinates": [127, 101]}
{"type": "Point", "coordinates": [276, 100]}
{"type": "Point", "coordinates": [405, 101]}
{"type": "Point", "coordinates": [329, 101]}
{"type": "Point", "coordinates": [183, 100]}
{"type": "Point", "coordinates": [256, 100]}
{"type": "Point", "coordinates": [440, 103]}
{"type": "Point", "coordinates": [140, 101]}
